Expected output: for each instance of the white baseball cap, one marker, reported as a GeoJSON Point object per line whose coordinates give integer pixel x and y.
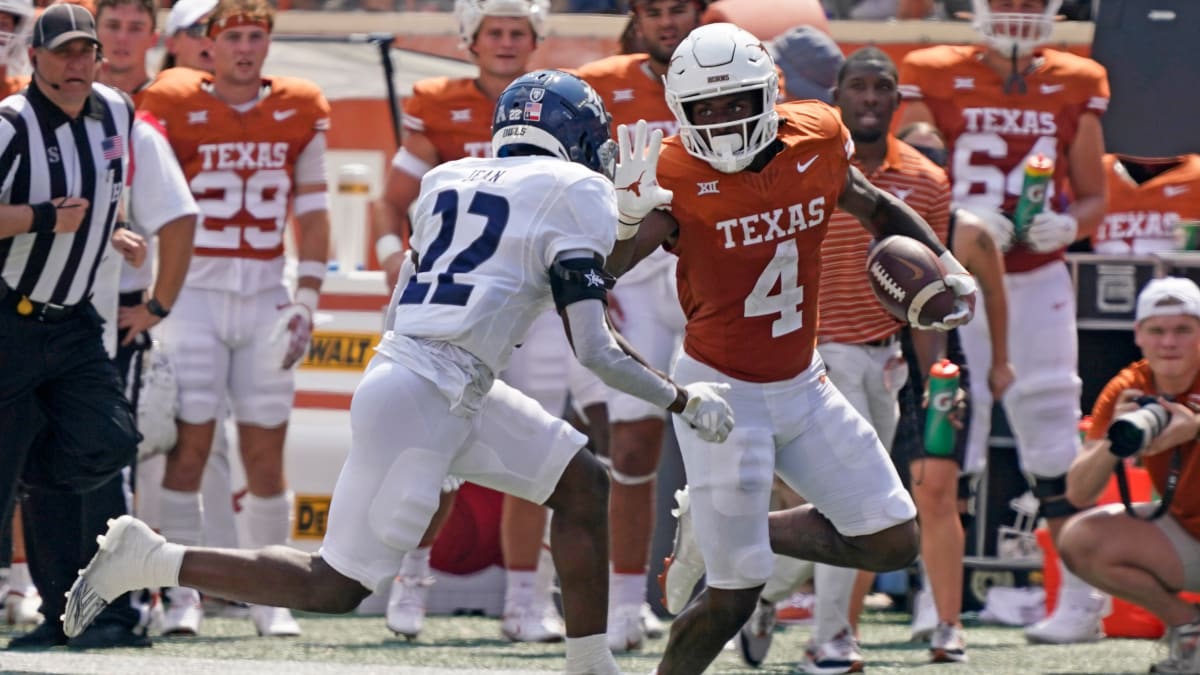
{"type": "Point", "coordinates": [1168, 296]}
{"type": "Point", "coordinates": [187, 12]}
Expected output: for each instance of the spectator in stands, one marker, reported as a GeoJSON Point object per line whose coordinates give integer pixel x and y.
{"type": "Point", "coordinates": [1149, 556]}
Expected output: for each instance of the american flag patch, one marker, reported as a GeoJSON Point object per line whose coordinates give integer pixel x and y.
{"type": "Point", "coordinates": [533, 111]}
{"type": "Point", "coordinates": [111, 147]}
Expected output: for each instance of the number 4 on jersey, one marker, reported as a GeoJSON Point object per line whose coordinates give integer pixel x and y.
{"type": "Point", "coordinates": [782, 273]}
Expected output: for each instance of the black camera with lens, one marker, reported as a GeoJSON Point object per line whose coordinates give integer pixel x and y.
{"type": "Point", "coordinates": [1132, 432]}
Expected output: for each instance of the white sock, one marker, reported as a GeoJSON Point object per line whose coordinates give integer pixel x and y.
{"type": "Point", "coordinates": [416, 563]}
{"type": "Point", "coordinates": [518, 591]}
{"type": "Point", "coordinates": [182, 517]}
{"type": "Point", "coordinates": [627, 590]}
{"type": "Point", "coordinates": [543, 587]}
{"type": "Point", "coordinates": [832, 608]}
{"type": "Point", "coordinates": [162, 568]}
{"type": "Point", "coordinates": [19, 580]}
{"type": "Point", "coordinates": [789, 573]}
{"type": "Point", "coordinates": [590, 656]}
{"type": "Point", "coordinates": [268, 519]}
{"type": "Point", "coordinates": [1077, 591]}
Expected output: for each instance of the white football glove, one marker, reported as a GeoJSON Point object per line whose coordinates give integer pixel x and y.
{"type": "Point", "coordinates": [293, 328]}
{"type": "Point", "coordinates": [997, 224]}
{"type": "Point", "coordinates": [707, 412]}
{"type": "Point", "coordinates": [963, 284]}
{"type": "Point", "coordinates": [636, 177]}
{"type": "Point", "coordinates": [1050, 231]}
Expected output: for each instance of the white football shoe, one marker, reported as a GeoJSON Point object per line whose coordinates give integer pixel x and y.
{"type": "Point", "coordinates": [274, 621]}
{"type": "Point", "coordinates": [652, 626]}
{"type": "Point", "coordinates": [925, 616]}
{"type": "Point", "coordinates": [684, 567]}
{"type": "Point", "coordinates": [754, 639]}
{"type": "Point", "coordinates": [1075, 620]}
{"type": "Point", "coordinates": [840, 655]}
{"type": "Point", "coordinates": [625, 632]}
{"type": "Point", "coordinates": [532, 624]}
{"type": "Point", "coordinates": [948, 644]}
{"type": "Point", "coordinates": [120, 565]}
{"type": "Point", "coordinates": [406, 605]}
{"type": "Point", "coordinates": [184, 612]}
{"type": "Point", "coordinates": [21, 608]}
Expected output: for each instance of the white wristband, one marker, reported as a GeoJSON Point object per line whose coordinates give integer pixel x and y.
{"type": "Point", "coordinates": [386, 245]}
{"type": "Point", "coordinates": [311, 201]}
{"type": "Point", "coordinates": [951, 264]}
{"type": "Point", "coordinates": [627, 231]}
{"type": "Point", "coordinates": [307, 297]}
{"type": "Point", "coordinates": [314, 269]}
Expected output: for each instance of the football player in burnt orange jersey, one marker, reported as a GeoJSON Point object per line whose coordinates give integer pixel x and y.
{"type": "Point", "coordinates": [1148, 201]}
{"type": "Point", "coordinates": [253, 150]}
{"type": "Point", "coordinates": [754, 185]}
{"type": "Point", "coordinates": [632, 88]}
{"type": "Point", "coordinates": [998, 104]}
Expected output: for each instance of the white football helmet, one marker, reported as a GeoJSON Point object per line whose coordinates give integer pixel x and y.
{"type": "Point", "coordinates": [13, 44]}
{"type": "Point", "coordinates": [1020, 31]}
{"type": "Point", "coordinates": [470, 14]}
{"type": "Point", "coordinates": [717, 60]}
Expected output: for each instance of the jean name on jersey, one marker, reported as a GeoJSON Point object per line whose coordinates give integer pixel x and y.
{"type": "Point", "coordinates": [1009, 122]}
{"type": "Point", "coordinates": [758, 228]}
{"type": "Point", "coordinates": [248, 155]}
{"type": "Point", "coordinates": [1138, 225]}
{"type": "Point", "coordinates": [486, 175]}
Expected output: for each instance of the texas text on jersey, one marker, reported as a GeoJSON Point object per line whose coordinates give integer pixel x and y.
{"type": "Point", "coordinates": [990, 131]}
{"type": "Point", "coordinates": [748, 284]}
{"type": "Point", "coordinates": [454, 114]}
{"type": "Point", "coordinates": [1143, 219]}
{"type": "Point", "coordinates": [242, 165]}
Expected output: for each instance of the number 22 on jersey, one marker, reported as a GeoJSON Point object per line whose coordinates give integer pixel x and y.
{"type": "Point", "coordinates": [432, 262]}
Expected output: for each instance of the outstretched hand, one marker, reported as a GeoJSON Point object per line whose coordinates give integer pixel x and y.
{"type": "Point", "coordinates": [636, 176]}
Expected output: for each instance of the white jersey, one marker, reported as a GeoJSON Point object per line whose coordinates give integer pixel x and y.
{"type": "Point", "coordinates": [485, 231]}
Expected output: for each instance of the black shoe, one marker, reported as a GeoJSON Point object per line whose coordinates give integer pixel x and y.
{"type": "Point", "coordinates": [48, 634]}
{"type": "Point", "coordinates": [109, 636]}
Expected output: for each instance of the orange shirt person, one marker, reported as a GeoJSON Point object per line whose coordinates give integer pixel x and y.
{"type": "Point", "coordinates": [1148, 200]}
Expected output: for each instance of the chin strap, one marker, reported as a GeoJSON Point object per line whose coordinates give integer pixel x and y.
{"type": "Point", "coordinates": [1016, 79]}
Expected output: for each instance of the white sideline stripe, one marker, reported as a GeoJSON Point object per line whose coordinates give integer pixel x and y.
{"type": "Point", "coordinates": [90, 663]}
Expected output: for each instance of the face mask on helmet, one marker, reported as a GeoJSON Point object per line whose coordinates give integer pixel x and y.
{"type": "Point", "coordinates": [721, 59]}
{"type": "Point", "coordinates": [549, 112]}
{"type": "Point", "coordinates": [470, 14]}
{"type": "Point", "coordinates": [13, 43]}
{"type": "Point", "coordinates": [1022, 31]}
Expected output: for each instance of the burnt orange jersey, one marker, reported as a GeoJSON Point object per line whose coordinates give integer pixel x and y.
{"type": "Point", "coordinates": [849, 313]}
{"type": "Point", "coordinates": [990, 133]}
{"type": "Point", "coordinates": [11, 85]}
{"type": "Point", "coordinates": [630, 91]}
{"type": "Point", "coordinates": [1185, 507]}
{"type": "Point", "coordinates": [240, 165]}
{"type": "Point", "coordinates": [749, 245]}
{"type": "Point", "coordinates": [1141, 219]}
{"type": "Point", "coordinates": [454, 114]}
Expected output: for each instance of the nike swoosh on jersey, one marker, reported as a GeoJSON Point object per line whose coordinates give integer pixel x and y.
{"type": "Point", "coordinates": [801, 167]}
{"type": "Point", "coordinates": [1052, 88]}
{"type": "Point", "coordinates": [281, 115]}
{"type": "Point", "coordinates": [1173, 190]}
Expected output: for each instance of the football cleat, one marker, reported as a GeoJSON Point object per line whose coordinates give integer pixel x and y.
{"type": "Point", "coordinates": [274, 621]}
{"type": "Point", "coordinates": [948, 644]}
{"type": "Point", "coordinates": [406, 605]}
{"type": "Point", "coordinates": [1073, 621]}
{"type": "Point", "coordinates": [652, 626]}
{"type": "Point", "coordinates": [21, 608]}
{"type": "Point", "coordinates": [839, 655]}
{"type": "Point", "coordinates": [117, 567]}
{"type": "Point", "coordinates": [184, 612]}
{"type": "Point", "coordinates": [684, 567]}
{"type": "Point", "coordinates": [625, 632]}
{"type": "Point", "coordinates": [925, 617]}
{"type": "Point", "coordinates": [531, 624]}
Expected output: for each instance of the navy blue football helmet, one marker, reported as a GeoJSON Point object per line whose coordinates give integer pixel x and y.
{"type": "Point", "coordinates": [549, 112]}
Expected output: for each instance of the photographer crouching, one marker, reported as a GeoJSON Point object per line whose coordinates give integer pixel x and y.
{"type": "Point", "coordinates": [1146, 553]}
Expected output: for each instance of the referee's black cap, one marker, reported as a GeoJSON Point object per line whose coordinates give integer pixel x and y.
{"type": "Point", "coordinates": [60, 23]}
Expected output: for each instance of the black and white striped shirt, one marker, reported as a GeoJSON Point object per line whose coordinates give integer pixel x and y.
{"type": "Point", "coordinates": [46, 155]}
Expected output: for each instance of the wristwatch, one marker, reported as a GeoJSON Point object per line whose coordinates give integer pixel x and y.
{"type": "Point", "coordinates": [154, 307]}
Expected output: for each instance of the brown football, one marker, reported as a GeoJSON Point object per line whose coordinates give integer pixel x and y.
{"type": "Point", "coordinates": [907, 279]}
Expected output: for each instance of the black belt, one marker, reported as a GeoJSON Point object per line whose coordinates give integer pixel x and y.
{"type": "Point", "coordinates": [883, 342]}
{"type": "Point", "coordinates": [46, 312]}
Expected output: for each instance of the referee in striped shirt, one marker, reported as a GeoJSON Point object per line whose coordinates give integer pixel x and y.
{"type": "Point", "coordinates": [64, 420]}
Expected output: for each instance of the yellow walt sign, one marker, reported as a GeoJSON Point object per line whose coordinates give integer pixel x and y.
{"type": "Point", "coordinates": [312, 515]}
{"type": "Point", "coordinates": [341, 351]}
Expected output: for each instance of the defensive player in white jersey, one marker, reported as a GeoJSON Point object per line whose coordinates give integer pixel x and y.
{"type": "Point", "coordinates": [495, 241]}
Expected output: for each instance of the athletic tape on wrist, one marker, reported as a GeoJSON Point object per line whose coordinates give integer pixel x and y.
{"type": "Point", "coordinates": [387, 245]}
{"type": "Point", "coordinates": [314, 269]}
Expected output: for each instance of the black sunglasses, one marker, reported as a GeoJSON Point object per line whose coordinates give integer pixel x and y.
{"type": "Point", "coordinates": [196, 30]}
